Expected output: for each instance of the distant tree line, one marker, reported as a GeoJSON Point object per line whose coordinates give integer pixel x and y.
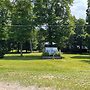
{"type": "Point", "coordinates": [28, 24]}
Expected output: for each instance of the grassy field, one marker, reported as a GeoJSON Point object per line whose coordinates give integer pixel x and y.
{"type": "Point", "coordinates": [70, 73]}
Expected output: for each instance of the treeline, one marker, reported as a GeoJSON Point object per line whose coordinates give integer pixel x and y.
{"type": "Point", "coordinates": [28, 24]}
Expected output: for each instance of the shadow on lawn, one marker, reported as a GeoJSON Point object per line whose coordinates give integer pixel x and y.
{"type": "Point", "coordinates": [31, 57]}
{"type": "Point", "coordinates": [81, 57]}
{"type": "Point", "coordinates": [86, 61]}
{"type": "Point", "coordinates": [25, 57]}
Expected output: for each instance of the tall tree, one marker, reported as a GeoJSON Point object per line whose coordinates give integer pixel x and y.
{"type": "Point", "coordinates": [41, 37]}
{"type": "Point", "coordinates": [55, 14]}
{"type": "Point", "coordinates": [77, 39]}
{"type": "Point", "coordinates": [88, 24]}
{"type": "Point", "coordinates": [4, 14]}
{"type": "Point", "coordinates": [21, 21]}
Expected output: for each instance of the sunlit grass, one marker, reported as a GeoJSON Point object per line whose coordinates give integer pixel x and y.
{"type": "Point", "coordinates": [70, 73]}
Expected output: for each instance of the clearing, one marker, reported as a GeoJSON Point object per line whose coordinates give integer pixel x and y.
{"type": "Point", "coordinates": [30, 72]}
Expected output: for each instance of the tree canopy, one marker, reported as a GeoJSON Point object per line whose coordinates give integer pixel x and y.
{"type": "Point", "coordinates": [39, 21]}
{"type": "Point", "coordinates": [88, 24]}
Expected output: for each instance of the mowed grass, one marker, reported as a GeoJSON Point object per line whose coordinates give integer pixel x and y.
{"type": "Point", "coordinates": [70, 73]}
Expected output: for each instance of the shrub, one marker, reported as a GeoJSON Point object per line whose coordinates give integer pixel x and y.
{"type": "Point", "coordinates": [3, 49]}
{"type": "Point", "coordinates": [47, 54]}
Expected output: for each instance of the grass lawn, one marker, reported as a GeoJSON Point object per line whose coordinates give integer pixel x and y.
{"type": "Point", "coordinates": [70, 73]}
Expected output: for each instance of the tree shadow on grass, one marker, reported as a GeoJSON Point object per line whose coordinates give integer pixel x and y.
{"type": "Point", "coordinates": [25, 57]}
{"type": "Point", "coordinates": [86, 58]}
{"type": "Point", "coordinates": [81, 57]}
{"type": "Point", "coordinates": [31, 57]}
{"type": "Point", "coordinates": [85, 54]}
{"type": "Point", "coordinates": [86, 61]}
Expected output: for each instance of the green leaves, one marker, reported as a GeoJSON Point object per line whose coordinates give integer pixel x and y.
{"type": "Point", "coordinates": [22, 19]}
{"type": "Point", "coordinates": [54, 14]}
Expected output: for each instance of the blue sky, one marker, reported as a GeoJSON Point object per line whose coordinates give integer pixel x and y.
{"type": "Point", "coordinates": [79, 8]}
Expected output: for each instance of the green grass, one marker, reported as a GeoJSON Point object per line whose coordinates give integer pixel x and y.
{"type": "Point", "coordinates": [70, 73]}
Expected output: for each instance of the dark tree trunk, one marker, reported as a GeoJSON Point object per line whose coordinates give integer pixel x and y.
{"type": "Point", "coordinates": [81, 48]}
{"type": "Point", "coordinates": [26, 50]}
{"type": "Point", "coordinates": [81, 45]}
{"type": "Point", "coordinates": [21, 49]}
{"type": "Point", "coordinates": [17, 47]}
{"type": "Point", "coordinates": [31, 46]}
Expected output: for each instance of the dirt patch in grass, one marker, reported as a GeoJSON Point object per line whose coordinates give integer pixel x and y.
{"type": "Point", "coordinates": [15, 86]}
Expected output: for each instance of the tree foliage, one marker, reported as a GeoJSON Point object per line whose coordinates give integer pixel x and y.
{"type": "Point", "coordinates": [77, 39]}
{"type": "Point", "coordinates": [56, 16]}
{"type": "Point", "coordinates": [21, 21]}
{"type": "Point", "coordinates": [40, 21]}
{"type": "Point", "coordinates": [88, 24]}
{"type": "Point", "coordinates": [4, 19]}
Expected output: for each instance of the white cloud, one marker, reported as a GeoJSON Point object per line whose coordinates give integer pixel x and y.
{"type": "Point", "coordinates": [79, 8]}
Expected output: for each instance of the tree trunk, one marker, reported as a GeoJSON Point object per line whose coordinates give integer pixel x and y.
{"type": "Point", "coordinates": [17, 47]}
{"type": "Point", "coordinates": [21, 44]}
{"type": "Point", "coordinates": [81, 45]}
{"type": "Point", "coordinates": [26, 50]}
{"type": "Point", "coordinates": [31, 46]}
{"type": "Point", "coordinates": [80, 48]}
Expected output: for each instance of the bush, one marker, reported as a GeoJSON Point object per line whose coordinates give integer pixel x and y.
{"type": "Point", "coordinates": [47, 54]}
{"type": "Point", "coordinates": [3, 49]}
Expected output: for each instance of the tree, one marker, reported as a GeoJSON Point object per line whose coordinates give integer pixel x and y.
{"type": "Point", "coordinates": [34, 40]}
{"type": "Point", "coordinates": [21, 21]}
{"type": "Point", "coordinates": [41, 38]}
{"type": "Point", "coordinates": [56, 17]}
{"type": "Point", "coordinates": [77, 39]}
{"type": "Point", "coordinates": [4, 14]}
{"type": "Point", "coordinates": [88, 24]}
{"type": "Point", "coordinates": [80, 33]}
